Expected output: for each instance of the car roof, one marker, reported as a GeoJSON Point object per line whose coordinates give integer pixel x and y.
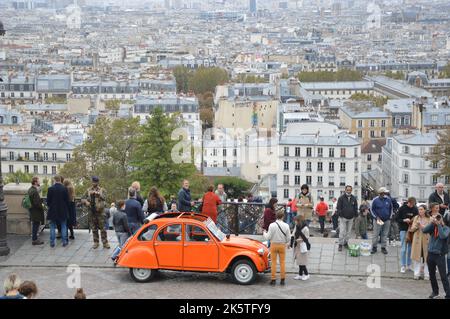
{"type": "Point", "coordinates": [191, 216]}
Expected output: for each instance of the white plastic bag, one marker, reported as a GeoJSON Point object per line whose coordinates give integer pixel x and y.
{"type": "Point", "coordinates": [303, 248]}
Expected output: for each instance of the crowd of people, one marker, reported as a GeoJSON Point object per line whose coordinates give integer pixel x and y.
{"type": "Point", "coordinates": [423, 230]}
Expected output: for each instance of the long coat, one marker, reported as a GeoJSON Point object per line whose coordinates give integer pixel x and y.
{"type": "Point", "coordinates": [58, 203]}
{"type": "Point", "coordinates": [420, 240]}
{"type": "Point", "coordinates": [305, 205]}
{"type": "Point", "coordinates": [301, 259]}
{"type": "Point", "coordinates": [36, 210]}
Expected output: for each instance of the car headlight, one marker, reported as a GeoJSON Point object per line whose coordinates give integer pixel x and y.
{"type": "Point", "coordinates": [261, 251]}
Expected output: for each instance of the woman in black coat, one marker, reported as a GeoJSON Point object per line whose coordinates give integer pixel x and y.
{"type": "Point", "coordinates": [72, 220]}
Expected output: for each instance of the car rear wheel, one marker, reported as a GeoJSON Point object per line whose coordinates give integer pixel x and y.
{"type": "Point", "coordinates": [142, 274]}
{"type": "Point", "coordinates": [243, 272]}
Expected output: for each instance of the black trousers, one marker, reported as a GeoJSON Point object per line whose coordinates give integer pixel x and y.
{"type": "Point", "coordinates": [322, 223]}
{"type": "Point", "coordinates": [438, 261]}
{"type": "Point", "coordinates": [302, 270]}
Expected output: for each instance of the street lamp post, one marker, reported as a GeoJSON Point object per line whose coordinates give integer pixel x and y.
{"type": "Point", "coordinates": [4, 249]}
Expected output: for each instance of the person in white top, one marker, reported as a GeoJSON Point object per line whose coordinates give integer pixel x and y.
{"type": "Point", "coordinates": [279, 236]}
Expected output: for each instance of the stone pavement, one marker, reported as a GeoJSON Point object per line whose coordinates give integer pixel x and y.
{"type": "Point", "coordinates": [324, 257]}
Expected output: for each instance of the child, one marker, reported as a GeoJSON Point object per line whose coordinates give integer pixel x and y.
{"type": "Point", "coordinates": [300, 241]}
{"type": "Point", "coordinates": [28, 289]}
{"type": "Point", "coordinates": [361, 223]}
{"type": "Point", "coordinates": [121, 227]}
{"type": "Point", "coordinates": [173, 208]}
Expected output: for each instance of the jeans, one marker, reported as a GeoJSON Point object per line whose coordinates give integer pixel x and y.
{"type": "Point", "coordinates": [308, 221]}
{"type": "Point", "coordinates": [322, 223]}
{"type": "Point", "coordinates": [405, 253]}
{"type": "Point", "coordinates": [438, 261]}
{"type": "Point", "coordinates": [380, 230]}
{"type": "Point", "coordinates": [134, 227]}
{"type": "Point", "coordinates": [222, 222]}
{"type": "Point", "coordinates": [121, 238]}
{"type": "Point", "coordinates": [335, 220]}
{"type": "Point", "coordinates": [278, 249]}
{"type": "Point", "coordinates": [290, 218]}
{"type": "Point", "coordinates": [35, 230]}
{"type": "Point", "coordinates": [448, 264]}
{"type": "Point", "coordinates": [63, 233]}
{"type": "Point", "coordinates": [364, 236]}
{"type": "Point", "coordinates": [345, 230]}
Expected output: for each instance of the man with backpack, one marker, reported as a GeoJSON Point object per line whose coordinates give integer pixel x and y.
{"type": "Point", "coordinates": [33, 202]}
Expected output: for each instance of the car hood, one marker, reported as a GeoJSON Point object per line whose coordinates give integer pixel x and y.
{"type": "Point", "coordinates": [242, 242]}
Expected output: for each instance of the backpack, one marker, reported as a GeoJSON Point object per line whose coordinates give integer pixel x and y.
{"type": "Point", "coordinates": [26, 202]}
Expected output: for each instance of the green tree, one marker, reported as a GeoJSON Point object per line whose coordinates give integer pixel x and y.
{"type": "Point", "coordinates": [244, 78]}
{"type": "Point", "coordinates": [440, 153]}
{"type": "Point", "coordinates": [234, 186]}
{"type": "Point", "coordinates": [395, 75]}
{"type": "Point", "coordinates": [376, 100]}
{"type": "Point", "coordinates": [107, 153]}
{"type": "Point", "coordinates": [112, 105]}
{"type": "Point", "coordinates": [182, 75]}
{"type": "Point", "coordinates": [206, 79]}
{"type": "Point", "coordinates": [445, 73]}
{"type": "Point", "coordinates": [56, 100]}
{"type": "Point", "coordinates": [153, 161]}
{"type": "Point", "coordinates": [18, 177]}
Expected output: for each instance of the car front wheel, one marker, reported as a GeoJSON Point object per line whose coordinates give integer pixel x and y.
{"type": "Point", "coordinates": [243, 272]}
{"type": "Point", "coordinates": [142, 274]}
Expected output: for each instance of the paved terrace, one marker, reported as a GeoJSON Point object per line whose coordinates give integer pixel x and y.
{"type": "Point", "coordinates": [324, 257]}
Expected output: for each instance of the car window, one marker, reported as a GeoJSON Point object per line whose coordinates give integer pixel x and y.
{"type": "Point", "coordinates": [147, 234]}
{"type": "Point", "coordinates": [195, 233]}
{"type": "Point", "coordinates": [170, 233]}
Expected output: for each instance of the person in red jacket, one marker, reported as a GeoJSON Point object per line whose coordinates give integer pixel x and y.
{"type": "Point", "coordinates": [322, 210]}
{"type": "Point", "coordinates": [210, 202]}
{"type": "Point", "coordinates": [269, 213]}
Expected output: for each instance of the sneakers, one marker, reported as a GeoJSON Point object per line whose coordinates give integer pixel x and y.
{"type": "Point", "coordinates": [282, 283]}
{"type": "Point", "coordinates": [305, 277]}
{"type": "Point", "coordinates": [416, 277]}
{"type": "Point", "coordinates": [298, 277]}
{"type": "Point", "coordinates": [37, 242]}
{"type": "Point", "coordinates": [426, 278]}
{"type": "Point", "coordinates": [433, 296]}
{"type": "Point", "coordinates": [384, 251]}
{"type": "Point", "coordinates": [340, 248]}
{"type": "Point", "coordinates": [374, 250]}
{"type": "Point", "coordinates": [403, 270]}
{"type": "Point", "coordinates": [95, 246]}
{"type": "Point", "coordinates": [409, 268]}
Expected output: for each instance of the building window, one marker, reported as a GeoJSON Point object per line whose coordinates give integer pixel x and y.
{"type": "Point", "coordinates": [45, 169]}
{"type": "Point", "coordinates": [372, 123]}
{"type": "Point", "coordinates": [342, 167]}
{"type": "Point", "coordinates": [434, 180]}
{"type": "Point", "coordinates": [331, 152]}
{"type": "Point", "coordinates": [369, 167]}
{"type": "Point", "coordinates": [330, 195]}
{"type": "Point", "coordinates": [308, 151]}
{"type": "Point", "coordinates": [356, 167]}
{"type": "Point", "coordinates": [405, 178]}
{"type": "Point", "coordinates": [319, 166]}
{"type": "Point", "coordinates": [360, 123]}
{"type": "Point", "coordinates": [406, 163]}
{"type": "Point", "coordinates": [372, 134]}
{"type": "Point", "coordinates": [331, 167]}
{"type": "Point", "coordinates": [383, 133]}
{"type": "Point", "coordinates": [224, 163]}
{"type": "Point", "coordinates": [356, 180]}
{"type": "Point", "coordinates": [360, 134]}
{"type": "Point", "coordinates": [53, 170]}
{"type": "Point", "coordinates": [434, 118]}
{"type": "Point", "coordinates": [355, 152]}
{"type": "Point", "coordinates": [234, 152]}
{"type": "Point", "coordinates": [383, 123]}
{"type": "Point", "coordinates": [27, 156]}
{"type": "Point", "coordinates": [320, 152]}
{"type": "Point", "coordinates": [405, 149]}
{"type": "Point", "coordinates": [343, 152]}
{"type": "Point", "coordinates": [308, 166]}
{"type": "Point", "coordinates": [286, 151]}
{"type": "Point", "coordinates": [331, 181]}
{"type": "Point", "coordinates": [285, 179]}
{"type": "Point", "coordinates": [297, 151]}
{"type": "Point", "coordinates": [447, 180]}
{"type": "Point", "coordinates": [68, 156]}
{"type": "Point", "coordinates": [422, 193]}
{"type": "Point", "coordinates": [308, 180]}
{"type": "Point", "coordinates": [45, 156]}
{"type": "Point", "coordinates": [11, 168]}
{"type": "Point", "coordinates": [297, 180]}
{"type": "Point", "coordinates": [54, 156]}
{"type": "Point", "coordinates": [342, 181]}
{"type": "Point", "coordinates": [319, 180]}
{"type": "Point", "coordinates": [36, 156]}
{"type": "Point", "coordinates": [297, 166]}
{"type": "Point", "coordinates": [286, 193]}
{"type": "Point", "coordinates": [224, 152]}
{"type": "Point", "coordinates": [27, 169]}
{"type": "Point", "coordinates": [11, 156]}
{"type": "Point", "coordinates": [369, 157]}
{"type": "Point", "coordinates": [35, 169]}
{"type": "Point", "coordinates": [406, 192]}
{"type": "Point", "coordinates": [286, 165]}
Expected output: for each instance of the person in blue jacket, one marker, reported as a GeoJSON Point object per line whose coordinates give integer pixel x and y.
{"type": "Point", "coordinates": [185, 202]}
{"type": "Point", "coordinates": [437, 249]}
{"type": "Point", "coordinates": [381, 212]}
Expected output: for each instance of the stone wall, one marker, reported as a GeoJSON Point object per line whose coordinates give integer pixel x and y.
{"type": "Point", "coordinates": [17, 219]}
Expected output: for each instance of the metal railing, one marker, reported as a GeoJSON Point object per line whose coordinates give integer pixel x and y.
{"type": "Point", "coordinates": [82, 213]}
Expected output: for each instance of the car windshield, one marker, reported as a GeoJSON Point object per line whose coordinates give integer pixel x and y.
{"type": "Point", "coordinates": [209, 223]}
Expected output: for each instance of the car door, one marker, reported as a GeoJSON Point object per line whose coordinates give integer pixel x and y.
{"type": "Point", "coordinates": [169, 246]}
{"type": "Point", "coordinates": [200, 250]}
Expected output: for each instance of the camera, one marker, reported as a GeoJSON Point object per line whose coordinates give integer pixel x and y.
{"type": "Point", "coordinates": [438, 218]}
